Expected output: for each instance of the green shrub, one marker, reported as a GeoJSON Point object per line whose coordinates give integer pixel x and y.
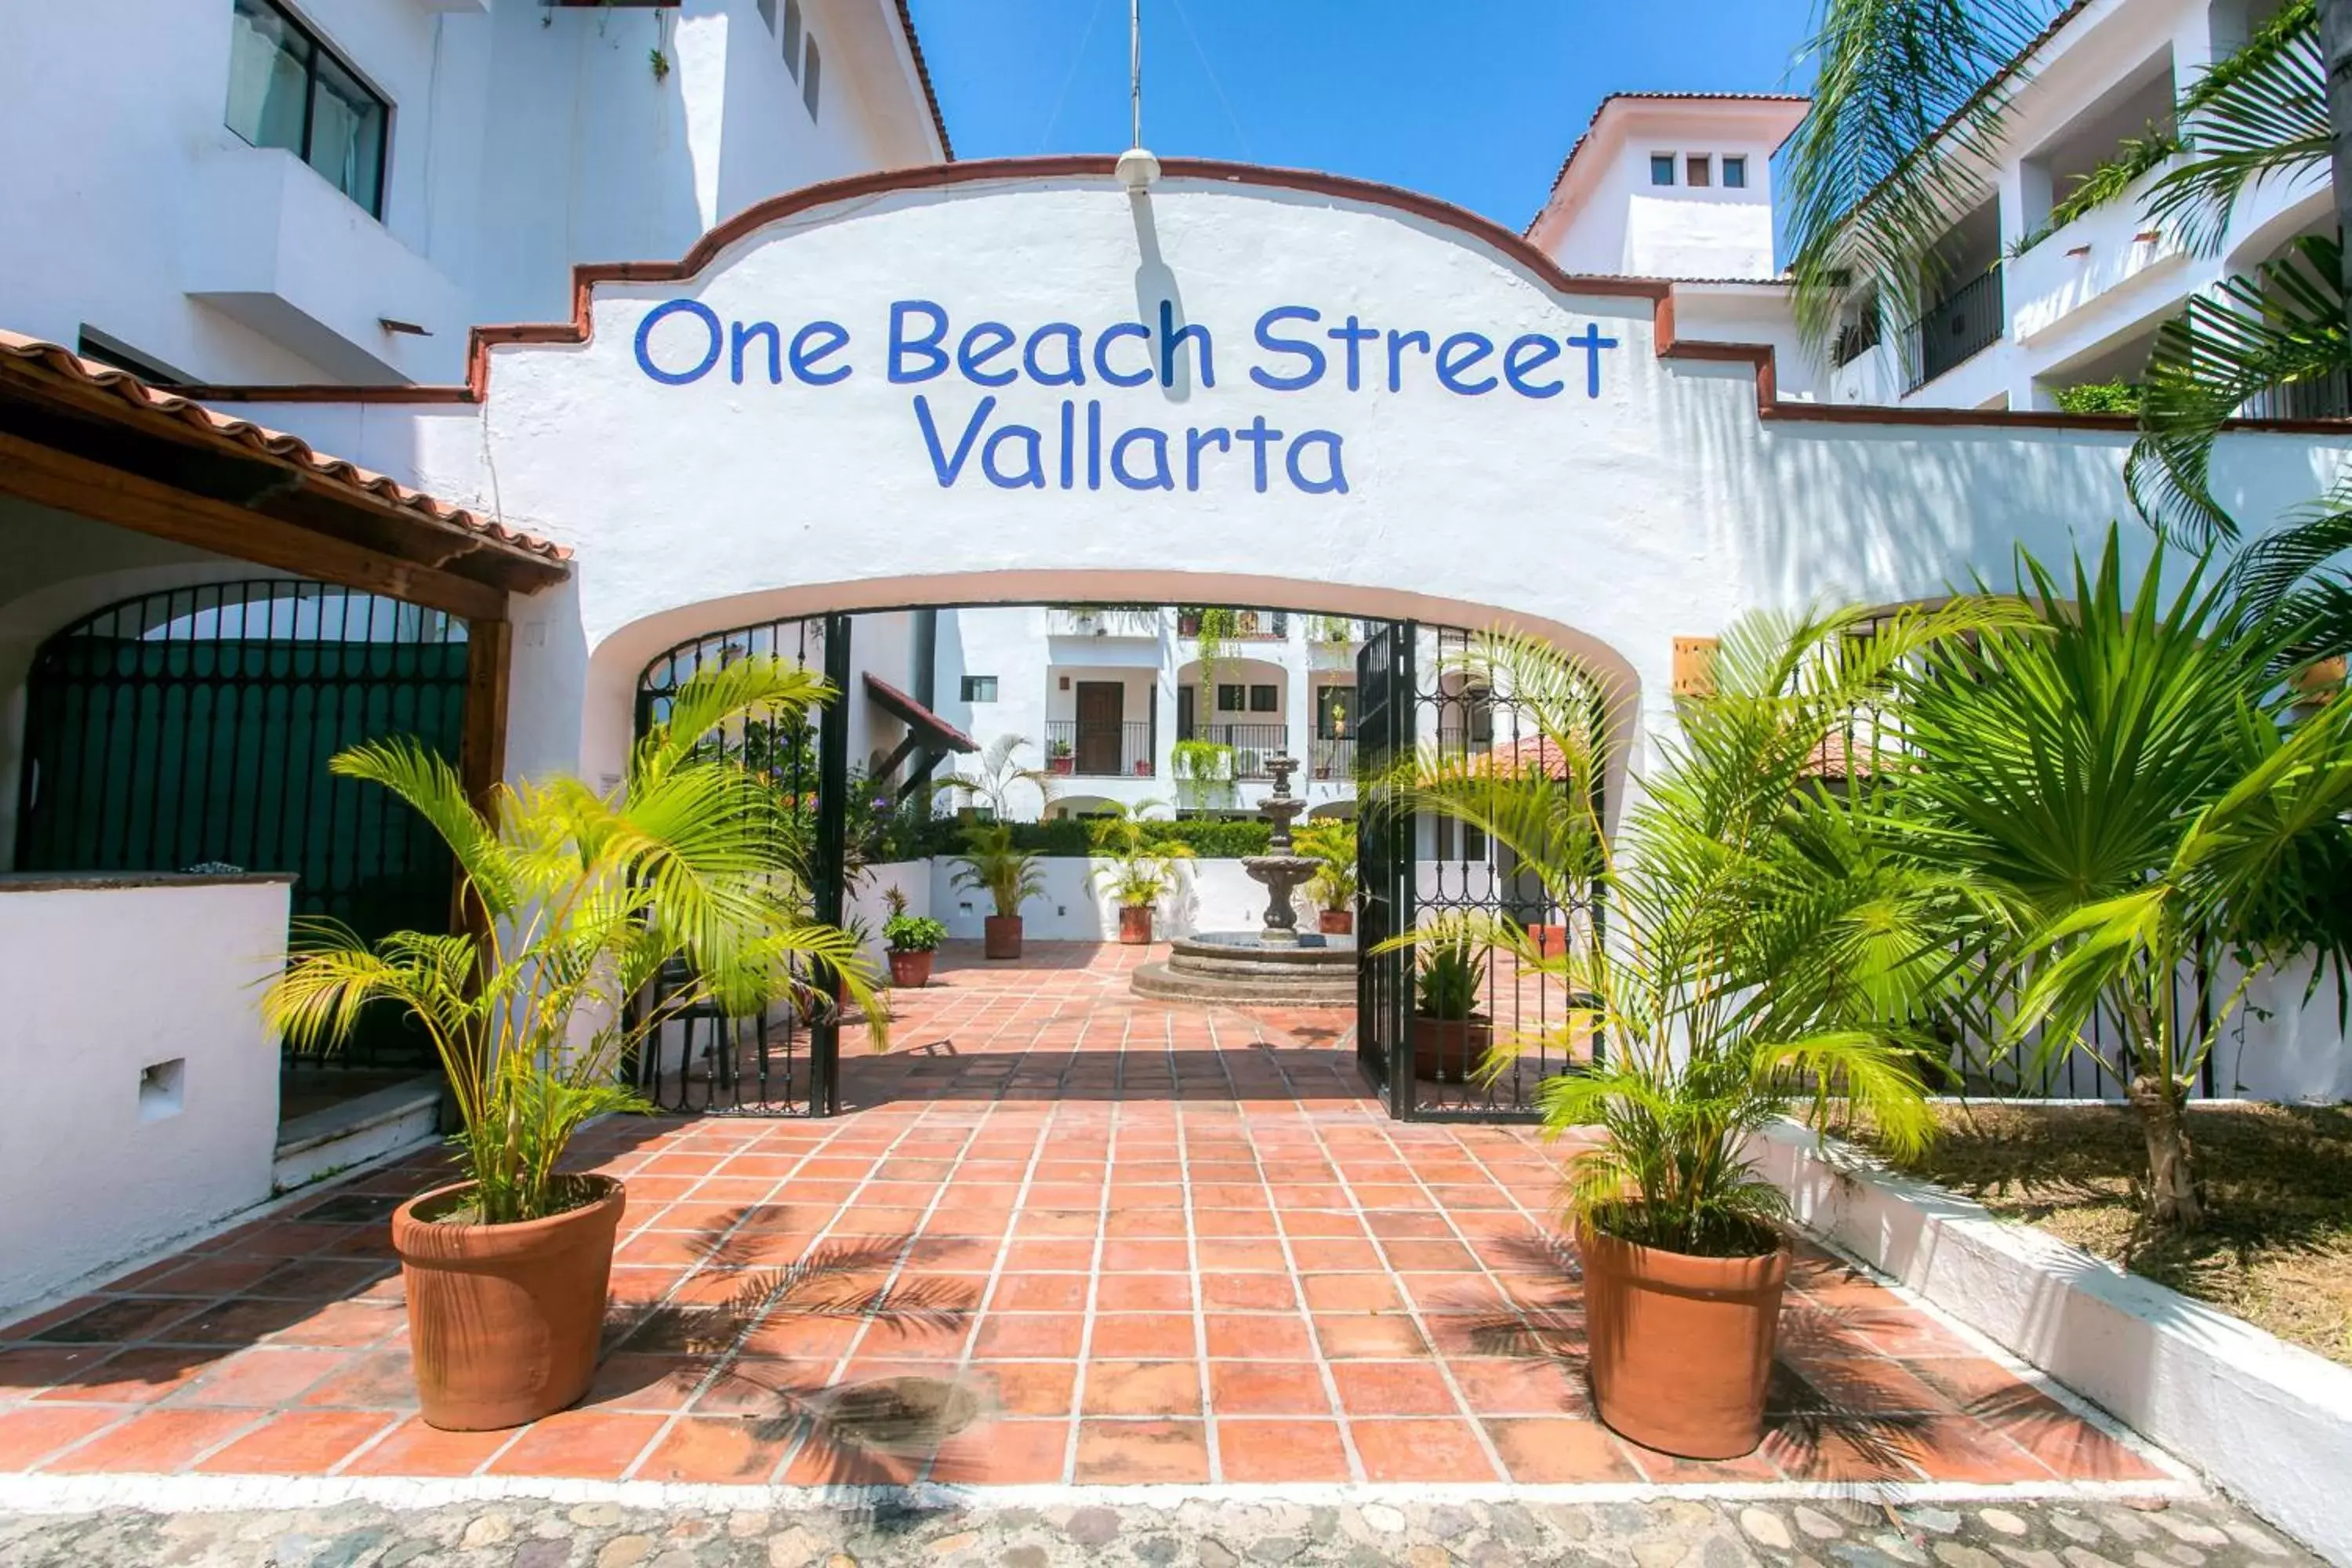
{"type": "Point", "coordinates": [2102, 397]}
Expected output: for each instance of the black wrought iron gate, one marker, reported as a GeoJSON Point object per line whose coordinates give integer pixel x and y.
{"type": "Point", "coordinates": [1425, 697]}
{"type": "Point", "coordinates": [785, 1059]}
{"type": "Point", "coordinates": [194, 726]}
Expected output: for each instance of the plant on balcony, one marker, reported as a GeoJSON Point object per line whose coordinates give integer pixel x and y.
{"type": "Point", "coordinates": [2101, 397]}
{"type": "Point", "coordinates": [1338, 629]}
{"type": "Point", "coordinates": [2134, 156]}
{"type": "Point", "coordinates": [1061, 758]}
{"type": "Point", "coordinates": [1204, 772]}
{"type": "Point", "coordinates": [993, 864]}
{"type": "Point", "coordinates": [577, 900]}
{"type": "Point", "coordinates": [1331, 844]}
{"type": "Point", "coordinates": [913, 939]}
{"type": "Point", "coordinates": [1771, 944]}
{"type": "Point", "coordinates": [1135, 862]}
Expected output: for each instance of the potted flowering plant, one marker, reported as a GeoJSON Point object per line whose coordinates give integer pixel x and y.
{"type": "Point", "coordinates": [993, 864]}
{"type": "Point", "coordinates": [577, 900]}
{"type": "Point", "coordinates": [913, 941]}
{"type": "Point", "coordinates": [1136, 868]}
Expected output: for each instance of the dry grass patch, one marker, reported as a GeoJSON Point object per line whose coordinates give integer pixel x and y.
{"type": "Point", "coordinates": [2276, 1246]}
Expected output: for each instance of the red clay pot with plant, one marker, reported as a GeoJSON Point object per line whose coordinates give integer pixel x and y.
{"type": "Point", "coordinates": [1000, 936]}
{"type": "Point", "coordinates": [1552, 940]}
{"type": "Point", "coordinates": [1681, 1346]}
{"type": "Point", "coordinates": [504, 1320]}
{"type": "Point", "coordinates": [913, 970]}
{"type": "Point", "coordinates": [1335, 922]}
{"type": "Point", "coordinates": [1134, 925]}
{"type": "Point", "coordinates": [1445, 1050]}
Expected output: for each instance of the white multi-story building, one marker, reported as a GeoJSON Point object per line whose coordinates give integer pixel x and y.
{"type": "Point", "coordinates": [264, 192]}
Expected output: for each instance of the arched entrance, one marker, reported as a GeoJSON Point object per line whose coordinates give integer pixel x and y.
{"type": "Point", "coordinates": [192, 726]}
{"type": "Point", "coordinates": [1408, 696]}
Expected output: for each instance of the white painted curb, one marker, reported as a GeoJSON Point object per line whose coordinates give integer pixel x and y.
{"type": "Point", "coordinates": [2266, 1421]}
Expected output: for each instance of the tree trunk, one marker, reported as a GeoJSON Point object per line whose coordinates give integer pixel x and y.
{"type": "Point", "coordinates": [2161, 1106]}
{"type": "Point", "coordinates": [2336, 53]}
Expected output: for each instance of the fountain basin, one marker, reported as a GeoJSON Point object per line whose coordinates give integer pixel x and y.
{"type": "Point", "coordinates": [1240, 966]}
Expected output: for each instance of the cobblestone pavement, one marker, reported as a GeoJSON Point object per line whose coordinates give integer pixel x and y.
{"type": "Point", "coordinates": [1821, 1533]}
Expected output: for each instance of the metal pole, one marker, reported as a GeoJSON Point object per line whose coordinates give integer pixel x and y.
{"type": "Point", "coordinates": [1135, 70]}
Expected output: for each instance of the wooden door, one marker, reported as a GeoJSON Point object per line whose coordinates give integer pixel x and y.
{"type": "Point", "coordinates": [1102, 713]}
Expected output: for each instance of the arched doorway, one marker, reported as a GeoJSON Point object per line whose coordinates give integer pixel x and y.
{"type": "Point", "coordinates": [192, 726]}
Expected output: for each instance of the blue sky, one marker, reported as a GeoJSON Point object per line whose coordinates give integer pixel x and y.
{"type": "Point", "coordinates": [1473, 101]}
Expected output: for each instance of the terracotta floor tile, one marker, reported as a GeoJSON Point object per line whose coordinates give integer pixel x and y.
{"type": "Point", "coordinates": [139, 1375]}
{"type": "Point", "coordinates": [1259, 1450]}
{"type": "Point", "coordinates": [298, 1442]}
{"type": "Point", "coordinates": [1249, 1292]}
{"type": "Point", "coordinates": [267, 1376]}
{"type": "Point", "coordinates": [1385, 1336]}
{"type": "Point", "coordinates": [1425, 1450]}
{"type": "Point", "coordinates": [1144, 1293]}
{"type": "Point", "coordinates": [1825, 1450]}
{"type": "Point", "coordinates": [119, 1319]}
{"type": "Point", "coordinates": [412, 1449]}
{"type": "Point", "coordinates": [1545, 1450]}
{"type": "Point", "coordinates": [1027, 1388]}
{"type": "Point", "coordinates": [32, 1432]}
{"type": "Point", "coordinates": [1522, 1386]}
{"type": "Point", "coordinates": [1004, 1453]}
{"type": "Point", "coordinates": [1139, 1257]}
{"type": "Point", "coordinates": [1267, 1388]}
{"type": "Point", "coordinates": [1394, 1388]}
{"type": "Point", "coordinates": [1227, 1255]}
{"type": "Point", "coordinates": [1259, 1336]}
{"type": "Point", "coordinates": [1142, 1335]}
{"type": "Point", "coordinates": [1139, 1453]}
{"type": "Point", "coordinates": [1669, 1469]}
{"type": "Point", "coordinates": [1028, 1335]}
{"type": "Point", "coordinates": [1957, 1448]}
{"type": "Point", "coordinates": [155, 1441]}
{"type": "Point", "coordinates": [723, 1448]}
{"type": "Point", "coordinates": [589, 1444]}
{"type": "Point", "coordinates": [1040, 1293]}
{"type": "Point", "coordinates": [2073, 1448]}
{"type": "Point", "coordinates": [1141, 1388]}
{"type": "Point", "coordinates": [1350, 1292]}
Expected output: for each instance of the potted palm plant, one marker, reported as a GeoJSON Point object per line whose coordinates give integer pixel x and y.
{"type": "Point", "coordinates": [993, 864]}
{"type": "Point", "coordinates": [1450, 1036]}
{"type": "Point", "coordinates": [913, 941]}
{"type": "Point", "coordinates": [1134, 867]}
{"type": "Point", "coordinates": [1769, 945]}
{"type": "Point", "coordinates": [577, 900]}
{"type": "Point", "coordinates": [1331, 844]}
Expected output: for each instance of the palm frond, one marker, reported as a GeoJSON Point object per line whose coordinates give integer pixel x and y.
{"type": "Point", "coordinates": [2259, 115]}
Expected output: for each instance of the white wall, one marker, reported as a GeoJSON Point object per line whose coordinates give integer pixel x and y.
{"type": "Point", "coordinates": [1208, 895]}
{"type": "Point", "coordinates": [92, 1177]}
{"type": "Point", "coordinates": [869, 900]}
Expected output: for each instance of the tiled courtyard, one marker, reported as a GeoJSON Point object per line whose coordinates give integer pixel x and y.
{"type": "Point", "coordinates": [1062, 1236]}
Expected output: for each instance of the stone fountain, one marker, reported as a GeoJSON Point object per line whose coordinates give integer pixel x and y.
{"type": "Point", "coordinates": [1275, 964]}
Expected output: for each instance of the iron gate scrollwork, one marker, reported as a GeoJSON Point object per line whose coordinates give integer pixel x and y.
{"type": "Point", "coordinates": [782, 1060]}
{"type": "Point", "coordinates": [194, 726]}
{"type": "Point", "coordinates": [1425, 696]}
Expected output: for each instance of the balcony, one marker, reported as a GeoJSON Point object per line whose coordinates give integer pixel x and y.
{"type": "Point", "coordinates": [1249, 626]}
{"type": "Point", "coordinates": [1957, 328]}
{"type": "Point", "coordinates": [1332, 759]}
{"type": "Point", "coordinates": [2074, 267]}
{"type": "Point", "coordinates": [1088, 749]}
{"type": "Point", "coordinates": [1251, 745]}
{"type": "Point", "coordinates": [2323, 397]}
{"type": "Point", "coordinates": [1103, 621]}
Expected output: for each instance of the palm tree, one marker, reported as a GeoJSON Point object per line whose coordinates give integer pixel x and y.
{"type": "Point", "coordinates": [1767, 941]}
{"type": "Point", "coordinates": [998, 780]}
{"type": "Point", "coordinates": [577, 900]}
{"type": "Point", "coordinates": [1910, 102]}
{"type": "Point", "coordinates": [2121, 784]}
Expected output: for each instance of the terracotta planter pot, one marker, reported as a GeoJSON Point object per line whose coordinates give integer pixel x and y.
{"type": "Point", "coordinates": [504, 1320]}
{"type": "Point", "coordinates": [1000, 936]}
{"type": "Point", "coordinates": [1334, 923]}
{"type": "Point", "coordinates": [1061, 766]}
{"type": "Point", "coordinates": [1681, 1346]}
{"type": "Point", "coordinates": [912, 970]}
{"type": "Point", "coordinates": [1134, 925]}
{"type": "Point", "coordinates": [1446, 1049]}
{"type": "Point", "coordinates": [1552, 940]}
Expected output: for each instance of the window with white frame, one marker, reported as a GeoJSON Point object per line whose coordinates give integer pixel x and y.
{"type": "Point", "coordinates": [287, 89]}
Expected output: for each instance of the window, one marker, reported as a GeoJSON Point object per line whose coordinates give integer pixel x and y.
{"type": "Point", "coordinates": [791, 38]}
{"type": "Point", "coordinates": [1231, 697]}
{"type": "Point", "coordinates": [812, 72]}
{"type": "Point", "coordinates": [768, 13]}
{"type": "Point", "coordinates": [1460, 841]}
{"type": "Point", "coordinates": [287, 90]}
{"type": "Point", "coordinates": [979, 688]}
{"type": "Point", "coordinates": [1695, 169]}
{"type": "Point", "coordinates": [1661, 168]}
{"type": "Point", "coordinates": [1735, 173]}
{"type": "Point", "coordinates": [1264, 699]}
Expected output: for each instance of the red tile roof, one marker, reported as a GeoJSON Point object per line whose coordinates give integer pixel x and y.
{"type": "Point", "coordinates": [38, 361]}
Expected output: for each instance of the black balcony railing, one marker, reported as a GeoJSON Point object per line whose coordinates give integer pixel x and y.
{"type": "Point", "coordinates": [2327, 396]}
{"type": "Point", "coordinates": [1962, 325]}
{"type": "Point", "coordinates": [1251, 745]}
{"type": "Point", "coordinates": [1856, 338]}
{"type": "Point", "coordinates": [1334, 758]}
{"type": "Point", "coordinates": [1093, 749]}
{"type": "Point", "coordinates": [1249, 626]}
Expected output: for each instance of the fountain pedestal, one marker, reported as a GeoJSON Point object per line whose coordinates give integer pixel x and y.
{"type": "Point", "coordinates": [1274, 964]}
